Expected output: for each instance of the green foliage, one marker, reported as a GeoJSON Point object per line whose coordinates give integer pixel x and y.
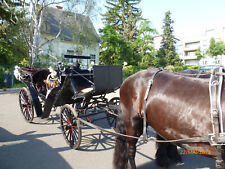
{"type": "Point", "coordinates": [167, 53]}
{"type": "Point", "coordinates": [12, 46]}
{"type": "Point", "coordinates": [199, 54]}
{"type": "Point", "coordinates": [9, 15]}
{"type": "Point", "coordinates": [114, 49]}
{"type": "Point", "coordinates": [178, 68]}
{"type": "Point", "coordinates": [144, 43]}
{"type": "Point", "coordinates": [16, 83]}
{"type": "Point", "coordinates": [184, 67]}
{"type": "Point", "coordinates": [129, 70]}
{"type": "Point", "coordinates": [121, 39]}
{"type": "Point", "coordinates": [216, 48]}
{"type": "Point", "coordinates": [24, 63]}
{"type": "Point", "coordinates": [123, 15]}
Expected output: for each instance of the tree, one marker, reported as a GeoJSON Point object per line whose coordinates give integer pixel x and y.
{"type": "Point", "coordinates": [216, 48]}
{"type": "Point", "coordinates": [144, 43]}
{"type": "Point", "coordinates": [121, 19]}
{"type": "Point", "coordinates": [124, 15]}
{"type": "Point", "coordinates": [199, 54]}
{"type": "Point", "coordinates": [12, 45]}
{"type": "Point", "coordinates": [114, 50]}
{"type": "Point", "coordinates": [167, 53]}
{"type": "Point", "coordinates": [33, 19]}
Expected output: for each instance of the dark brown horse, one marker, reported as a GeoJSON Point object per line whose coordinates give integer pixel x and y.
{"type": "Point", "coordinates": [178, 107]}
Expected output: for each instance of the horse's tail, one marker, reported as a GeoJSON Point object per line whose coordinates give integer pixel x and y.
{"type": "Point", "coordinates": [120, 157]}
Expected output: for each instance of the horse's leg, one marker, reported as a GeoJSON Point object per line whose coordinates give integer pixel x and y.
{"type": "Point", "coordinates": [131, 152]}
{"type": "Point", "coordinates": [133, 128]}
{"type": "Point", "coordinates": [120, 157]}
{"type": "Point", "coordinates": [173, 154]}
{"type": "Point", "coordinates": [166, 153]}
{"type": "Point", "coordinates": [161, 156]}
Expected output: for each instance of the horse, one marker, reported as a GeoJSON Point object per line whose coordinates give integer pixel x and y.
{"type": "Point", "coordinates": [177, 107]}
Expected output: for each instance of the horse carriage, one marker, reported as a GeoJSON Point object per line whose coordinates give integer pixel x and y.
{"type": "Point", "coordinates": [183, 110]}
{"type": "Point", "coordinates": [80, 93]}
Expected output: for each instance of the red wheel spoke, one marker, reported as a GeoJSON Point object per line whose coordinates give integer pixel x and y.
{"type": "Point", "coordinates": [71, 130]}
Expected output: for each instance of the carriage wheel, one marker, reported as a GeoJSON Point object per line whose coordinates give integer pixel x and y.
{"type": "Point", "coordinates": [70, 126]}
{"type": "Point", "coordinates": [112, 118]}
{"type": "Point", "coordinates": [26, 104]}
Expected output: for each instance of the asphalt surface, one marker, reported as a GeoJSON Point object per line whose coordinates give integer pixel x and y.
{"type": "Point", "coordinates": [40, 145]}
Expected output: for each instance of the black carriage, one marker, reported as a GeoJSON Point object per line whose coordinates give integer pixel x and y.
{"type": "Point", "coordinates": [79, 91]}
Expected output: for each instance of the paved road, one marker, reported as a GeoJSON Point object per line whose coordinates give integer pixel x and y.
{"type": "Point", "coordinates": [41, 145]}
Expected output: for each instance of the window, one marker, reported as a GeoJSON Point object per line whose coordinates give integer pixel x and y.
{"type": "Point", "coordinates": [217, 61]}
{"type": "Point", "coordinates": [93, 57]}
{"type": "Point", "coordinates": [70, 52]}
{"type": "Point", "coordinates": [204, 62]}
{"type": "Point", "coordinates": [190, 53]}
{"type": "Point", "coordinates": [192, 44]}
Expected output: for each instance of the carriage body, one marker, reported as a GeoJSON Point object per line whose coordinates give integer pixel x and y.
{"type": "Point", "coordinates": [100, 81]}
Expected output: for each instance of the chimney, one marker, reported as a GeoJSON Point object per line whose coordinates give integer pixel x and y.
{"type": "Point", "coordinates": [59, 7]}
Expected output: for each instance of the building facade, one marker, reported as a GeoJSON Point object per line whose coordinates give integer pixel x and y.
{"type": "Point", "coordinates": [76, 36]}
{"type": "Point", "coordinates": [188, 47]}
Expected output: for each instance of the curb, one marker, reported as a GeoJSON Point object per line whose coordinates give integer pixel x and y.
{"type": "Point", "coordinates": [9, 91]}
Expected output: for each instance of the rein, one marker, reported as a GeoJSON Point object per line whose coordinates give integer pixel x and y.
{"type": "Point", "coordinates": [181, 141]}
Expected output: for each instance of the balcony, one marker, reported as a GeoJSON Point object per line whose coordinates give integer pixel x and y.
{"type": "Point", "coordinates": [189, 57]}
{"type": "Point", "coordinates": [191, 48]}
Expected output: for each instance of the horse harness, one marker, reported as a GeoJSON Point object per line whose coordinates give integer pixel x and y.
{"type": "Point", "coordinates": [150, 82]}
{"type": "Point", "coordinates": [217, 138]}
{"type": "Point", "coordinates": [215, 90]}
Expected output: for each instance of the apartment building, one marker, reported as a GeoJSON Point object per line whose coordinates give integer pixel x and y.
{"type": "Point", "coordinates": [188, 47]}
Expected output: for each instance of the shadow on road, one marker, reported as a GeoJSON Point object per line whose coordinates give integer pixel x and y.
{"type": "Point", "coordinates": [26, 151]}
{"type": "Point", "coordinates": [189, 162]}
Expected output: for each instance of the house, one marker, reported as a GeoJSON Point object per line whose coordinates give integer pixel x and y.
{"type": "Point", "coordinates": [188, 47]}
{"type": "Point", "coordinates": [76, 36]}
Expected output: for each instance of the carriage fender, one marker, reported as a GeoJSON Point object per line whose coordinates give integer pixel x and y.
{"type": "Point", "coordinates": [35, 101]}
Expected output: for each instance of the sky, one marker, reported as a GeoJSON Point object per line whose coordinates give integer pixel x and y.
{"type": "Point", "coordinates": [191, 17]}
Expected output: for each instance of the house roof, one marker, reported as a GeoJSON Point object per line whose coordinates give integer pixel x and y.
{"type": "Point", "coordinates": [75, 28]}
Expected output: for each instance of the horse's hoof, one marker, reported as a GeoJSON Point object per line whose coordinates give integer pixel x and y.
{"type": "Point", "coordinates": [163, 162]}
{"type": "Point", "coordinates": [176, 159]}
{"type": "Point", "coordinates": [180, 163]}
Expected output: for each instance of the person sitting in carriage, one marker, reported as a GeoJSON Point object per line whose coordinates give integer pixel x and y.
{"type": "Point", "coordinates": [52, 81]}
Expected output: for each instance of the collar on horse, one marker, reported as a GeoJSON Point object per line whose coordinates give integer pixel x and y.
{"type": "Point", "coordinates": [150, 82]}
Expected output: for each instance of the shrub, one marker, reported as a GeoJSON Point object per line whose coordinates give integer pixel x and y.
{"type": "Point", "coordinates": [129, 70]}
{"type": "Point", "coordinates": [184, 67]}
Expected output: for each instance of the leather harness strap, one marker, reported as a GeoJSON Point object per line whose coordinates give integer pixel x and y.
{"type": "Point", "coordinates": [217, 138]}
{"type": "Point", "coordinates": [150, 82]}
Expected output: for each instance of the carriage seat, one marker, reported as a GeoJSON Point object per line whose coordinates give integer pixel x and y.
{"type": "Point", "coordinates": [38, 80]}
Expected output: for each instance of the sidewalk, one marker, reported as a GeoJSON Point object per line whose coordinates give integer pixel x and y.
{"type": "Point", "coordinates": [10, 90]}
